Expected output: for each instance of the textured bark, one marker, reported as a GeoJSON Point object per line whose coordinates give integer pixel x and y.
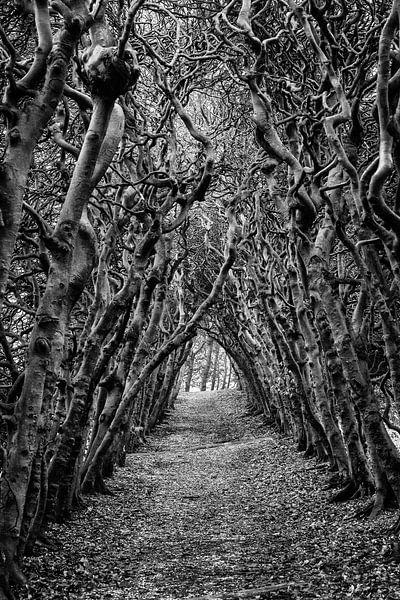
{"type": "Point", "coordinates": [352, 352]}
{"type": "Point", "coordinates": [161, 401]}
{"type": "Point", "coordinates": [360, 479]}
{"type": "Point", "coordinates": [391, 337]}
{"type": "Point", "coordinates": [225, 372]}
{"type": "Point", "coordinates": [129, 365]}
{"type": "Point", "coordinates": [45, 355]}
{"type": "Point", "coordinates": [84, 384]}
{"type": "Point", "coordinates": [176, 340]}
{"type": "Point", "coordinates": [337, 450]}
{"type": "Point", "coordinates": [24, 131]}
{"type": "Point", "coordinates": [73, 252]}
{"type": "Point", "coordinates": [168, 390]}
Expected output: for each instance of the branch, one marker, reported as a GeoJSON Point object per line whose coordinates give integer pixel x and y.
{"type": "Point", "coordinates": [123, 40]}
{"type": "Point", "coordinates": [198, 194]}
{"type": "Point", "coordinates": [45, 44]}
{"type": "Point", "coordinates": [179, 337]}
{"type": "Point", "coordinates": [83, 101]}
{"type": "Point", "coordinates": [45, 229]}
{"type": "Point", "coordinates": [62, 142]}
{"type": "Point", "coordinates": [8, 45]}
{"type": "Point", "coordinates": [389, 217]}
{"type": "Point", "coordinates": [391, 425]}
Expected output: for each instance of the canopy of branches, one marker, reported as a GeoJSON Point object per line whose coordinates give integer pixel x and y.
{"type": "Point", "coordinates": [169, 168]}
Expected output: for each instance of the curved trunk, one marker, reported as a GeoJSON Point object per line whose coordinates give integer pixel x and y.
{"type": "Point", "coordinates": [360, 477]}
{"type": "Point", "coordinates": [353, 355]}
{"type": "Point", "coordinates": [45, 355]}
{"type": "Point", "coordinates": [72, 255]}
{"type": "Point", "coordinates": [338, 455]}
{"type": "Point", "coordinates": [178, 338]}
{"type": "Point", "coordinates": [128, 367]}
{"type": "Point", "coordinates": [69, 446]}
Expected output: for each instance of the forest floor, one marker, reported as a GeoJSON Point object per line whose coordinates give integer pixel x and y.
{"type": "Point", "coordinates": [216, 506]}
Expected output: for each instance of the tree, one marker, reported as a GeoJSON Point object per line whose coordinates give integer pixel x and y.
{"type": "Point", "coordinates": [95, 308]}
{"type": "Point", "coordinates": [232, 177]}
{"type": "Point", "coordinates": [330, 208]}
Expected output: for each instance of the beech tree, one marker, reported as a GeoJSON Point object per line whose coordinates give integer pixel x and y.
{"type": "Point", "coordinates": [96, 310]}
{"type": "Point", "coordinates": [332, 209]}
{"type": "Point", "coordinates": [188, 191]}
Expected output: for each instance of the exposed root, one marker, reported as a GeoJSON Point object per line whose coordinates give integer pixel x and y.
{"type": "Point", "coordinates": [345, 493]}
{"type": "Point", "coordinates": [333, 482]}
{"type": "Point", "coordinates": [5, 590]}
{"type": "Point", "coordinates": [322, 458]}
{"type": "Point", "coordinates": [308, 456]}
{"type": "Point", "coordinates": [301, 445]}
{"type": "Point", "coordinates": [10, 573]}
{"type": "Point", "coordinates": [309, 452]}
{"type": "Point", "coordinates": [368, 510]}
{"type": "Point", "coordinates": [352, 490]}
{"type": "Point", "coordinates": [392, 554]}
{"type": "Point", "coordinates": [377, 505]}
{"type": "Point", "coordinates": [45, 541]}
{"type": "Point", "coordinates": [100, 486]}
{"type": "Point", "coordinates": [78, 501]}
{"type": "Point", "coordinates": [363, 490]}
{"type": "Point", "coordinates": [395, 529]}
{"type": "Point", "coordinates": [321, 467]}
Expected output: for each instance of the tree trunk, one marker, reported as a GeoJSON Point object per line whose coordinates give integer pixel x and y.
{"type": "Point", "coordinates": [189, 371]}
{"type": "Point", "coordinates": [215, 371]}
{"type": "Point", "coordinates": [207, 365]}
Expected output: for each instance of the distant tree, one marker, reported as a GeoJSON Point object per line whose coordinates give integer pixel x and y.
{"type": "Point", "coordinates": [207, 364]}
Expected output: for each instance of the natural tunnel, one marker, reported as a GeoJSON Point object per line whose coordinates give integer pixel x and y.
{"type": "Point", "coordinates": [198, 196]}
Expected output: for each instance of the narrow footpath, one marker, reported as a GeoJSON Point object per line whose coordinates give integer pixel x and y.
{"type": "Point", "coordinates": [216, 506]}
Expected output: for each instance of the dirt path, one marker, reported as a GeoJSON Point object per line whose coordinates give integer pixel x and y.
{"type": "Point", "coordinates": [215, 505]}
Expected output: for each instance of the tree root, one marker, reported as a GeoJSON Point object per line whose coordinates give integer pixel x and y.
{"type": "Point", "coordinates": [394, 553]}
{"type": "Point", "coordinates": [5, 590]}
{"type": "Point", "coordinates": [363, 490]}
{"type": "Point", "coordinates": [322, 460]}
{"type": "Point", "coordinates": [365, 512]}
{"type": "Point", "coordinates": [376, 506]}
{"type": "Point", "coordinates": [101, 488]}
{"type": "Point", "coordinates": [78, 501]}
{"type": "Point", "coordinates": [395, 529]}
{"type": "Point", "coordinates": [352, 490]}
{"type": "Point", "coordinates": [336, 480]}
{"type": "Point", "coordinates": [320, 467]}
{"type": "Point", "coordinates": [345, 493]}
{"type": "Point", "coordinates": [10, 572]}
{"type": "Point", "coordinates": [45, 541]}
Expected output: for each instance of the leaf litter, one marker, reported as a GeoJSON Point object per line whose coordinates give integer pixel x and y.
{"type": "Point", "coordinates": [215, 506]}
